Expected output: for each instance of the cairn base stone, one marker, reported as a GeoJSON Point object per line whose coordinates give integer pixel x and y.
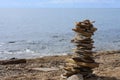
{"type": "Point", "coordinates": [76, 77]}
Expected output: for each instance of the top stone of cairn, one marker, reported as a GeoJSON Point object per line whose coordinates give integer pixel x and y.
{"type": "Point", "coordinates": [85, 28]}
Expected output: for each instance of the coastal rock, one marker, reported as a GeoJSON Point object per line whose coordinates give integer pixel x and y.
{"type": "Point", "coordinates": [11, 41]}
{"type": "Point", "coordinates": [76, 77]}
{"type": "Point", "coordinates": [12, 61]}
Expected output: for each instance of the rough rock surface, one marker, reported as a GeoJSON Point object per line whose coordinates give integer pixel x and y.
{"type": "Point", "coordinates": [109, 68]}
{"type": "Point", "coordinates": [76, 77]}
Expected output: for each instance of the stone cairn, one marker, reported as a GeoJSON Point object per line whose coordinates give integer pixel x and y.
{"type": "Point", "coordinates": [82, 61]}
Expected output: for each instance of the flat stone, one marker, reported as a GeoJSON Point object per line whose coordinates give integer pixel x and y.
{"type": "Point", "coordinates": [76, 77]}
{"type": "Point", "coordinates": [68, 68]}
{"type": "Point", "coordinates": [83, 51]}
{"type": "Point", "coordinates": [84, 54]}
{"type": "Point", "coordinates": [85, 45]}
{"type": "Point", "coordinates": [84, 48]}
{"type": "Point", "coordinates": [72, 65]}
{"type": "Point", "coordinates": [82, 41]}
{"type": "Point", "coordinates": [45, 69]}
{"type": "Point", "coordinates": [91, 65]}
{"type": "Point", "coordinates": [80, 59]}
{"type": "Point", "coordinates": [80, 37]}
{"type": "Point", "coordinates": [83, 32]}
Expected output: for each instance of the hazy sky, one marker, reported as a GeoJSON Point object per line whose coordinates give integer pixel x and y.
{"type": "Point", "coordinates": [60, 3]}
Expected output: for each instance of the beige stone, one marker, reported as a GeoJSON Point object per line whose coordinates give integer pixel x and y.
{"type": "Point", "coordinates": [91, 65]}
{"type": "Point", "coordinates": [45, 69]}
{"type": "Point", "coordinates": [76, 77]}
{"type": "Point", "coordinates": [72, 65]}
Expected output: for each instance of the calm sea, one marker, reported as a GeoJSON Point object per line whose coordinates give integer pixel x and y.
{"type": "Point", "coordinates": [30, 33]}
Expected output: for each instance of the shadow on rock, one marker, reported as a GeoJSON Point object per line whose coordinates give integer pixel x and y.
{"type": "Point", "coordinates": [101, 78]}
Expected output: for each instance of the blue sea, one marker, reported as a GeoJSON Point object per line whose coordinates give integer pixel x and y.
{"type": "Point", "coordinates": [37, 32]}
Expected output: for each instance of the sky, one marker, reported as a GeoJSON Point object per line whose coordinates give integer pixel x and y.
{"type": "Point", "coordinates": [59, 3]}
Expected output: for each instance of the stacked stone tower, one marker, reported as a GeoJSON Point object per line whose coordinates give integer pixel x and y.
{"type": "Point", "coordinates": [82, 61]}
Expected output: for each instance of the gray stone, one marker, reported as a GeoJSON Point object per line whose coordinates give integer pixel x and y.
{"type": "Point", "coordinates": [76, 77]}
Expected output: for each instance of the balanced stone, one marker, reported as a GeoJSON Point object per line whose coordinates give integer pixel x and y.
{"type": "Point", "coordinates": [78, 59]}
{"type": "Point", "coordinates": [81, 61]}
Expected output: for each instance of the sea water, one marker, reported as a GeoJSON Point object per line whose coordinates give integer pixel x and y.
{"type": "Point", "coordinates": [30, 33]}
